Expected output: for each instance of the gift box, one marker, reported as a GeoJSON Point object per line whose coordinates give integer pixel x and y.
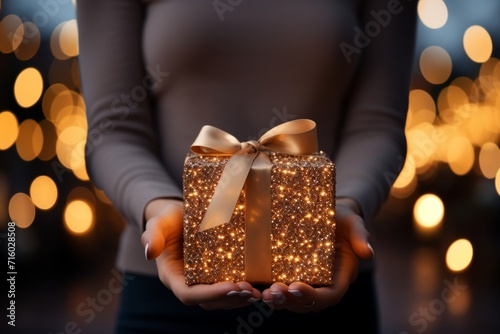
{"type": "Point", "coordinates": [260, 211]}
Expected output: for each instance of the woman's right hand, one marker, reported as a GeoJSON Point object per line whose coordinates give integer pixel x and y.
{"type": "Point", "coordinates": [163, 241]}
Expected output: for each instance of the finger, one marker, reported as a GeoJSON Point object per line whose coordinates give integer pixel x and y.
{"type": "Point", "coordinates": [359, 238]}
{"type": "Point", "coordinates": [256, 294]}
{"type": "Point", "coordinates": [276, 295]}
{"type": "Point", "coordinates": [223, 295]}
{"type": "Point", "coordinates": [305, 298]}
{"type": "Point", "coordinates": [233, 299]}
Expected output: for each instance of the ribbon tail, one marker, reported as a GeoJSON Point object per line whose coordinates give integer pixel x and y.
{"type": "Point", "coordinates": [258, 259]}
{"type": "Point", "coordinates": [228, 190]}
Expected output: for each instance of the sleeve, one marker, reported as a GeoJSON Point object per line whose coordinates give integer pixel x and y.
{"type": "Point", "coordinates": [372, 146]}
{"type": "Point", "coordinates": [121, 150]}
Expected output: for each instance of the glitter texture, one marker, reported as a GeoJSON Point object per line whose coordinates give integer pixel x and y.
{"type": "Point", "coordinates": [302, 222]}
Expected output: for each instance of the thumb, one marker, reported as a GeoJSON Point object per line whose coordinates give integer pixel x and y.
{"type": "Point", "coordinates": [153, 238]}
{"type": "Point", "coordinates": [165, 225]}
{"type": "Point", "coordinates": [359, 238]}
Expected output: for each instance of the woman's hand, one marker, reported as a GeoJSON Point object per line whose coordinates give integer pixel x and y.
{"type": "Point", "coordinates": [351, 244]}
{"type": "Point", "coordinates": [163, 241]}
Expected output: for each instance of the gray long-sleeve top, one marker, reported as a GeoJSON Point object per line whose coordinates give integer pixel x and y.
{"type": "Point", "coordinates": [154, 72]}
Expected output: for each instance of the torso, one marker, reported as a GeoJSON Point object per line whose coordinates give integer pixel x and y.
{"type": "Point", "coordinates": [265, 63]}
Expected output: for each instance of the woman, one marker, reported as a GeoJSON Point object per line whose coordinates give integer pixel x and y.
{"type": "Point", "coordinates": [154, 72]}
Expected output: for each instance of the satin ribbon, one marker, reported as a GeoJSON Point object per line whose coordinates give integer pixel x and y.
{"type": "Point", "coordinates": [249, 162]}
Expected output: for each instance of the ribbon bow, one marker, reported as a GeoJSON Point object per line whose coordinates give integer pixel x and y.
{"type": "Point", "coordinates": [248, 160]}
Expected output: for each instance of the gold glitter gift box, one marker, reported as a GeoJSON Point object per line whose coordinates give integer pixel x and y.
{"type": "Point", "coordinates": [260, 211]}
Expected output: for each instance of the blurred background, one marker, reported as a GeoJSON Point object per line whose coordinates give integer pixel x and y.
{"type": "Point", "coordinates": [437, 239]}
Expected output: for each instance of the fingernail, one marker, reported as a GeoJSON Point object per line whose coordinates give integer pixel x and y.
{"type": "Point", "coordinates": [267, 301]}
{"type": "Point", "coordinates": [232, 293]}
{"type": "Point", "coordinates": [146, 251]}
{"type": "Point", "coordinates": [244, 293]}
{"type": "Point", "coordinates": [371, 249]}
{"type": "Point", "coordinates": [296, 293]}
{"type": "Point", "coordinates": [279, 297]}
{"type": "Point", "coordinates": [252, 300]}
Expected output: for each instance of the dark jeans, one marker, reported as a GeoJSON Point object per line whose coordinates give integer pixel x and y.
{"type": "Point", "coordinates": [146, 306]}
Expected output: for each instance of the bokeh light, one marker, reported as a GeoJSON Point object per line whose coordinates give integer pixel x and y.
{"type": "Point", "coordinates": [68, 38]}
{"type": "Point", "coordinates": [9, 129]}
{"type": "Point", "coordinates": [66, 103]}
{"type": "Point", "coordinates": [489, 160]}
{"type": "Point", "coordinates": [421, 108]}
{"type": "Point", "coordinates": [101, 195]}
{"type": "Point", "coordinates": [406, 181]}
{"type": "Point", "coordinates": [21, 210]}
{"type": "Point", "coordinates": [64, 40]}
{"type": "Point", "coordinates": [428, 210]}
{"type": "Point", "coordinates": [28, 87]}
{"type": "Point", "coordinates": [55, 44]}
{"type": "Point", "coordinates": [29, 141]}
{"type": "Point", "coordinates": [432, 13]}
{"type": "Point", "coordinates": [78, 217]}
{"type": "Point", "coordinates": [460, 155]}
{"type": "Point", "coordinates": [80, 171]}
{"type": "Point", "coordinates": [43, 192]}
{"type": "Point", "coordinates": [435, 64]}
{"type": "Point", "coordinates": [454, 101]}
{"type": "Point", "coordinates": [70, 147]}
{"type": "Point", "coordinates": [11, 33]}
{"type": "Point", "coordinates": [459, 255]}
{"type": "Point", "coordinates": [477, 44]}
{"type": "Point", "coordinates": [49, 96]}
{"type": "Point", "coordinates": [421, 145]}
{"type": "Point", "coordinates": [30, 42]}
